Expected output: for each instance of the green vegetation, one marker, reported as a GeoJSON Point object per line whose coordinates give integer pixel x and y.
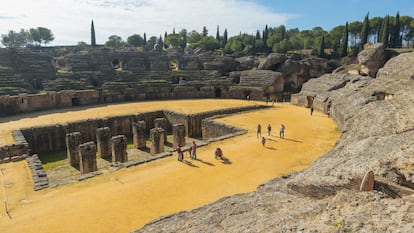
{"type": "Point", "coordinates": [53, 159]}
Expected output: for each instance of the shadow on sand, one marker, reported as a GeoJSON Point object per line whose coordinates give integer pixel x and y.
{"type": "Point", "coordinates": [189, 163]}
{"type": "Point", "coordinates": [225, 160]}
{"type": "Point", "coordinates": [202, 161]}
{"type": "Point", "coordinates": [293, 140]}
{"type": "Point", "coordinates": [270, 148]}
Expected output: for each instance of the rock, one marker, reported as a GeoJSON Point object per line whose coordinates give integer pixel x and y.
{"type": "Point", "coordinates": [248, 63]}
{"type": "Point", "coordinates": [272, 61]}
{"type": "Point", "coordinates": [371, 59]}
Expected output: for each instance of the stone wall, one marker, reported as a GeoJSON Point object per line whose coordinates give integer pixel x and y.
{"type": "Point", "coordinates": [212, 129]}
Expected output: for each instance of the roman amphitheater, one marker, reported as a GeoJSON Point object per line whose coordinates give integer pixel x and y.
{"type": "Point", "coordinates": [57, 175]}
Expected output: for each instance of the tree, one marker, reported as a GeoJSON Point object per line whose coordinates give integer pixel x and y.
{"type": "Point", "coordinates": [225, 38]}
{"type": "Point", "coordinates": [15, 39]}
{"type": "Point", "coordinates": [46, 35]}
{"type": "Point", "coordinates": [93, 38]}
{"type": "Point", "coordinates": [35, 35]}
{"type": "Point", "coordinates": [321, 50]}
{"type": "Point", "coordinates": [364, 31]}
{"type": "Point", "coordinates": [205, 31]}
{"type": "Point", "coordinates": [151, 42]}
{"type": "Point", "coordinates": [193, 37]}
{"type": "Point", "coordinates": [218, 34]}
{"type": "Point", "coordinates": [375, 28]}
{"type": "Point", "coordinates": [354, 31]}
{"type": "Point", "coordinates": [114, 41]}
{"type": "Point", "coordinates": [172, 40]}
{"type": "Point", "coordinates": [135, 41]}
{"type": "Point", "coordinates": [384, 32]}
{"type": "Point", "coordinates": [395, 35]}
{"type": "Point", "coordinates": [208, 43]}
{"type": "Point", "coordinates": [165, 44]}
{"type": "Point", "coordinates": [344, 43]}
{"type": "Point", "coordinates": [145, 38]}
{"type": "Point", "coordinates": [183, 38]}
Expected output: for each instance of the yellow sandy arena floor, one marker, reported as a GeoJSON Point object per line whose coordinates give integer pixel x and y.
{"type": "Point", "coordinates": [125, 200]}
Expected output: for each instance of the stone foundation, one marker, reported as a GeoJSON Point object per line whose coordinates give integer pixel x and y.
{"type": "Point", "coordinates": [103, 139]}
{"type": "Point", "coordinates": [119, 149]}
{"type": "Point", "coordinates": [157, 140]}
{"type": "Point", "coordinates": [179, 135]}
{"type": "Point", "coordinates": [87, 154]}
{"type": "Point", "coordinates": [73, 140]}
{"type": "Point", "coordinates": [161, 123]}
{"type": "Point", "coordinates": [138, 131]}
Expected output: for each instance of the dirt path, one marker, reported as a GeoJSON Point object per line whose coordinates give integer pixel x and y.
{"type": "Point", "coordinates": [124, 200]}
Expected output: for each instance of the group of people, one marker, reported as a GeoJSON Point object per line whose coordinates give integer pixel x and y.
{"type": "Point", "coordinates": [269, 130]}
{"type": "Point", "coordinates": [218, 153]}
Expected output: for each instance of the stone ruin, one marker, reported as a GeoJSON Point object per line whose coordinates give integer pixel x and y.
{"type": "Point", "coordinates": [87, 153]}
{"type": "Point", "coordinates": [179, 135]}
{"type": "Point", "coordinates": [161, 123]}
{"type": "Point", "coordinates": [73, 140]}
{"type": "Point", "coordinates": [157, 140]}
{"type": "Point", "coordinates": [138, 130]}
{"type": "Point", "coordinates": [119, 149]}
{"type": "Point", "coordinates": [103, 140]}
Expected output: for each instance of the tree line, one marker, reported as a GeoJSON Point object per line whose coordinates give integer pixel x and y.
{"type": "Point", "coordinates": [343, 40]}
{"type": "Point", "coordinates": [25, 38]}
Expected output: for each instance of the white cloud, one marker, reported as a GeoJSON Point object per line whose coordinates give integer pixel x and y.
{"type": "Point", "coordinates": [70, 20]}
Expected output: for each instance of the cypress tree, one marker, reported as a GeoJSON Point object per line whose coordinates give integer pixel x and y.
{"type": "Point", "coordinates": [145, 38]}
{"type": "Point", "coordinates": [257, 35]}
{"type": "Point", "coordinates": [396, 32]}
{"type": "Point", "coordinates": [225, 38]}
{"type": "Point", "coordinates": [218, 34]}
{"type": "Point", "coordinates": [321, 51]}
{"type": "Point", "coordinates": [384, 35]}
{"type": "Point", "coordinates": [165, 37]}
{"type": "Point", "coordinates": [364, 32]}
{"type": "Point", "coordinates": [93, 38]}
{"type": "Point", "coordinates": [343, 51]}
{"type": "Point", "coordinates": [205, 31]}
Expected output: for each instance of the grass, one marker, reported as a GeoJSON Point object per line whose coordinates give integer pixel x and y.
{"type": "Point", "coordinates": [53, 159]}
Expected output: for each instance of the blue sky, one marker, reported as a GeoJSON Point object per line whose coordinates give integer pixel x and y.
{"type": "Point", "coordinates": [70, 20]}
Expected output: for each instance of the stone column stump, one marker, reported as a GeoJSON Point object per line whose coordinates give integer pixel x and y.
{"type": "Point", "coordinates": [73, 140]}
{"type": "Point", "coordinates": [138, 130]}
{"type": "Point", "coordinates": [179, 135]}
{"type": "Point", "coordinates": [161, 123]}
{"type": "Point", "coordinates": [103, 139]}
{"type": "Point", "coordinates": [119, 149]}
{"type": "Point", "coordinates": [87, 152]}
{"type": "Point", "coordinates": [157, 140]}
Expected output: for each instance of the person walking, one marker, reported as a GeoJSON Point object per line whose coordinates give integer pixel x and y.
{"type": "Point", "coordinates": [282, 131]}
{"type": "Point", "coordinates": [180, 154]}
{"type": "Point", "coordinates": [263, 141]}
{"type": "Point", "coordinates": [218, 153]}
{"type": "Point", "coordinates": [259, 131]}
{"type": "Point", "coordinates": [269, 129]}
{"type": "Point", "coordinates": [311, 110]}
{"type": "Point", "coordinates": [194, 150]}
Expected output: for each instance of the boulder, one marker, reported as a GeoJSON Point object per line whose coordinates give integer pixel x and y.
{"type": "Point", "coordinates": [248, 63]}
{"type": "Point", "coordinates": [371, 59]}
{"type": "Point", "coordinates": [272, 61]}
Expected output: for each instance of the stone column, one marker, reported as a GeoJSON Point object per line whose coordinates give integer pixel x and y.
{"type": "Point", "coordinates": [73, 140]}
{"type": "Point", "coordinates": [138, 130]}
{"type": "Point", "coordinates": [103, 139]}
{"type": "Point", "coordinates": [157, 140]}
{"type": "Point", "coordinates": [179, 135]}
{"type": "Point", "coordinates": [119, 149]}
{"type": "Point", "coordinates": [161, 123]}
{"type": "Point", "coordinates": [87, 152]}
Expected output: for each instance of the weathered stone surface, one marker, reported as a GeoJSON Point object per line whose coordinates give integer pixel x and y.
{"type": "Point", "coordinates": [119, 149]}
{"type": "Point", "coordinates": [163, 124]}
{"type": "Point", "coordinates": [179, 135]}
{"type": "Point", "coordinates": [376, 119]}
{"type": "Point", "coordinates": [272, 61]}
{"type": "Point", "coordinates": [157, 140]}
{"type": "Point", "coordinates": [103, 138]}
{"type": "Point", "coordinates": [371, 59]}
{"type": "Point", "coordinates": [87, 153]}
{"type": "Point", "coordinates": [139, 129]}
{"type": "Point", "coordinates": [248, 63]}
{"type": "Point", "coordinates": [73, 140]}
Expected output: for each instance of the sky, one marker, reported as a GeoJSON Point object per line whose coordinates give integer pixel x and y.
{"type": "Point", "coordinates": [70, 20]}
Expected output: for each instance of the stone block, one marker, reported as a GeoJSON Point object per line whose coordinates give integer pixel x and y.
{"type": "Point", "coordinates": [138, 131]}
{"type": "Point", "coordinates": [179, 135]}
{"type": "Point", "coordinates": [87, 153]}
{"type": "Point", "coordinates": [119, 149]}
{"type": "Point", "coordinates": [157, 140]}
{"type": "Point", "coordinates": [103, 139]}
{"type": "Point", "coordinates": [161, 123]}
{"type": "Point", "coordinates": [73, 140]}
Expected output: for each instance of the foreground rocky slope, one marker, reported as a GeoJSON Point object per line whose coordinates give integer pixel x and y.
{"type": "Point", "coordinates": [376, 117]}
